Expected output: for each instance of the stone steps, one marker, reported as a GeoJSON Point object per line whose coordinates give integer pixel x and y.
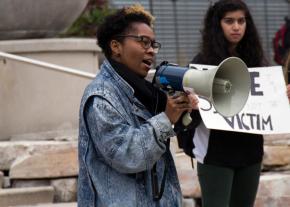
{"type": "Point", "coordinates": [34, 168]}
{"type": "Point", "coordinates": [186, 203]}
{"type": "Point", "coordinates": [26, 196]}
{"type": "Point", "coordinates": [268, 201]}
{"type": "Point", "coordinates": [74, 204]}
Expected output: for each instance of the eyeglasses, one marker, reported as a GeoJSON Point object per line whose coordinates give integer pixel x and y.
{"type": "Point", "coordinates": [231, 21]}
{"type": "Point", "coordinates": [145, 41]}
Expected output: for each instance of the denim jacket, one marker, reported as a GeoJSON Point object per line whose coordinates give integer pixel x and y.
{"type": "Point", "coordinates": [119, 142]}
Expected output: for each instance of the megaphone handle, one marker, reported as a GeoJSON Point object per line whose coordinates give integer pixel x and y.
{"type": "Point", "coordinates": [186, 119]}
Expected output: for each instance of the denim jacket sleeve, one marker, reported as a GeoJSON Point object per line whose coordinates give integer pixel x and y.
{"type": "Point", "coordinates": [126, 147]}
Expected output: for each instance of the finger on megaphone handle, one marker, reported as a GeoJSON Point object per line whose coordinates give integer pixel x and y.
{"type": "Point", "coordinates": [189, 90]}
{"type": "Point", "coordinates": [191, 93]}
{"type": "Point", "coordinates": [194, 101]}
{"type": "Point", "coordinates": [185, 102]}
{"type": "Point", "coordinates": [176, 94]}
{"type": "Point", "coordinates": [175, 108]}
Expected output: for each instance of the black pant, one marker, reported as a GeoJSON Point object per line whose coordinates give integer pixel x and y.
{"type": "Point", "coordinates": [228, 187]}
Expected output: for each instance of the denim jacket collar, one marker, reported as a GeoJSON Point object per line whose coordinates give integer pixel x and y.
{"type": "Point", "coordinates": [127, 89]}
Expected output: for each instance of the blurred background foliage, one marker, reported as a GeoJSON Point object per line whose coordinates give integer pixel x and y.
{"type": "Point", "coordinates": [86, 25]}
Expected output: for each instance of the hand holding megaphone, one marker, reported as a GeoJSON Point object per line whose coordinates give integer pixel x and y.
{"type": "Point", "coordinates": [178, 103]}
{"type": "Point", "coordinates": [227, 86]}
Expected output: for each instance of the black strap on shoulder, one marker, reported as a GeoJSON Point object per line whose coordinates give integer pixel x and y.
{"type": "Point", "coordinates": [157, 195]}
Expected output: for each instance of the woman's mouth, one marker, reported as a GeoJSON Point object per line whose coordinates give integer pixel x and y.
{"type": "Point", "coordinates": [148, 62]}
{"type": "Point", "coordinates": [235, 35]}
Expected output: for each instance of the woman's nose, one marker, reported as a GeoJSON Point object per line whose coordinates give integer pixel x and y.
{"type": "Point", "coordinates": [151, 50]}
{"type": "Point", "coordinates": [236, 25]}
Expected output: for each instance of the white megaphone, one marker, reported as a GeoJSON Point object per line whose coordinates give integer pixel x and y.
{"type": "Point", "coordinates": [227, 86]}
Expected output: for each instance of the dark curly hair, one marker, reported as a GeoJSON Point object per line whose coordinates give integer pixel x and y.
{"type": "Point", "coordinates": [215, 47]}
{"type": "Point", "coordinates": [120, 23]}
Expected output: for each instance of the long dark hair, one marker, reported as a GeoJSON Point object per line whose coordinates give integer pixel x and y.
{"type": "Point", "coordinates": [215, 47]}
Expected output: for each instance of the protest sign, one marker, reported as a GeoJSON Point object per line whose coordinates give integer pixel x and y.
{"type": "Point", "coordinates": [267, 109]}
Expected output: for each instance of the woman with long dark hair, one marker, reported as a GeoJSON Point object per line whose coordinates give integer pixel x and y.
{"type": "Point", "coordinates": [217, 45]}
{"type": "Point", "coordinates": [229, 163]}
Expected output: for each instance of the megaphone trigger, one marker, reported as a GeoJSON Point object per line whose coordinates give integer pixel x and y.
{"type": "Point", "coordinates": [186, 119]}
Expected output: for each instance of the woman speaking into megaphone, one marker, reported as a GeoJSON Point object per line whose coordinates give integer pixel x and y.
{"type": "Point", "coordinates": [228, 163]}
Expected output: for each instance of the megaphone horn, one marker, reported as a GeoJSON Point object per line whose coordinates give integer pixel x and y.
{"type": "Point", "coordinates": [227, 86]}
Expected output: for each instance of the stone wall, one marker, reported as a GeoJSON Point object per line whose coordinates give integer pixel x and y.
{"type": "Point", "coordinates": [34, 98]}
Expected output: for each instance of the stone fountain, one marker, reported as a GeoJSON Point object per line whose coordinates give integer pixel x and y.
{"type": "Point", "coordinates": [37, 18]}
{"type": "Point", "coordinates": [34, 99]}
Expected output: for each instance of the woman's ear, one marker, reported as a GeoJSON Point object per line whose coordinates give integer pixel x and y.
{"type": "Point", "coordinates": [116, 48]}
